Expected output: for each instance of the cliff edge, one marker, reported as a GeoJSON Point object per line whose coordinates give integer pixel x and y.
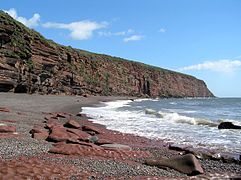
{"type": "Point", "coordinates": [29, 63]}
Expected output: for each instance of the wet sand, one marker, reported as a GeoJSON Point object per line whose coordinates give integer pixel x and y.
{"type": "Point", "coordinates": [20, 149]}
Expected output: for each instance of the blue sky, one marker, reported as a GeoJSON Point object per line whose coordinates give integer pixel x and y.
{"type": "Point", "coordinates": [196, 37]}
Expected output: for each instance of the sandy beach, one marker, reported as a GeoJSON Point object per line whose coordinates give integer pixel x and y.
{"type": "Point", "coordinates": [22, 156]}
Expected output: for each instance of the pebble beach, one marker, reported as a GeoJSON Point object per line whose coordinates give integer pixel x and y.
{"type": "Point", "coordinates": [25, 156]}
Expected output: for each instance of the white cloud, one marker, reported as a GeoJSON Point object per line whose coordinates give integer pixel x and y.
{"type": "Point", "coordinates": [80, 30]}
{"type": "Point", "coordinates": [225, 65]}
{"type": "Point", "coordinates": [120, 33]}
{"type": "Point", "coordinates": [162, 30]}
{"type": "Point", "coordinates": [33, 21]}
{"type": "Point", "coordinates": [133, 38]}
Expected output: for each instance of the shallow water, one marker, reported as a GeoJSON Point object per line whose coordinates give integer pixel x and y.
{"type": "Point", "coordinates": [183, 121]}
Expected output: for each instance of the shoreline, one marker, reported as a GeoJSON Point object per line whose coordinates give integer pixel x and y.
{"type": "Point", "coordinates": [30, 110]}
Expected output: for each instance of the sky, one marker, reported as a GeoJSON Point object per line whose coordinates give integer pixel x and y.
{"type": "Point", "coordinates": [196, 37]}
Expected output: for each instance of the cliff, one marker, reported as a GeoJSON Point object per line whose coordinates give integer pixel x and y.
{"type": "Point", "coordinates": [29, 63]}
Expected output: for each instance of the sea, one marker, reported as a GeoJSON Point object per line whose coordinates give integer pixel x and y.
{"type": "Point", "coordinates": [191, 121]}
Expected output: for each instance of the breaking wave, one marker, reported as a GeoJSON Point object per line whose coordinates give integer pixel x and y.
{"type": "Point", "coordinates": [182, 123]}
{"type": "Point", "coordinates": [177, 118]}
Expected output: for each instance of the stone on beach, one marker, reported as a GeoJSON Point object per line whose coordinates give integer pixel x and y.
{"type": "Point", "coordinates": [89, 149]}
{"type": "Point", "coordinates": [52, 123]}
{"type": "Point", "coordinates": [71, 123]}
{"type": "Point", "coordinates": [7, 129]}
{"type": "Point", "coordinates": [187, 164]}
{"type": "Point", "coordinates": [4, 109]}
{"type": "Point", "coordinates": [81, 134]}
{"type": "Point", "coordinates": [102, 141]}
{"type": "Point", "coordinates": [39, 133]}
{"type": "Point", "coordinates": [91, 128]}
{"type": "Point", "coordinates": [59, 134]}
{"type": "Point", "coordinates": [37, 129]}
{"type": "Point", "coordinates": [40, 136]}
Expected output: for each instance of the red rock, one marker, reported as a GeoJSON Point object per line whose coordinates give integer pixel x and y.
{"type": "Point", "coordinates": [72, 124]}
{"type": "Point", "coordinates": [82, 143]}
{"type": "Point", "coordinates": [52, 117]}
{"type": "Point", "coordinates": [86, 151]}
{"type": "Point", "coordinates": [61, 115]}
{"type": "Point", "coordinates": [7, 129]}
{"type": "Point", "coordinates": [59, 134]}
{"type": "Point", "coordinates": [37, 129]}
{"type": "Point", "coordinates": [8, 135]}
{"type": "Point", "coordinates": [41, 135]}
{"type": "Point", "coordinates": [81, 134]}
{"type": "Point", "coordinates": [8, 120]}
{"type": "Point", "coordinates": [52, 123]}
{"type": "Point", "coordinates": [91, 128]}
{"type": "Point", "coordinates": [4, 109]}
{"type": "Point", "coordinates": [103, 141]}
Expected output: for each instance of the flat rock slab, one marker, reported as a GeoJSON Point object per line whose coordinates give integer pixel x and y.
{"type": "Point", "coordinates": [96, 151]}
{"type": "Point", "coordinates": [41, 135]}
{"type": "Point", "coordinates": [37, 129]}
{"type": "Point", "coordinates": [115, 146]}
{"type": "Point", "coordinates": [71, 123]}
{"type": "Point", "coordinates": [81, 134]}
{"type": "Point", "coordinates": [187, 164]}
{"type": "Point", "coordinates": [7, 129]}
{"type": "Point", "coordinates": [59, 134]}
{"type": "Point", "coordinates": [91, 128]}
{"type": "Point", "coordinates": [4, 109]}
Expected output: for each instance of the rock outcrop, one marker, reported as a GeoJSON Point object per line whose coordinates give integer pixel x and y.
{"type": "Point", "coordinates": [29, 63]}
{"type": "Point", "coordinates": [228, 125]}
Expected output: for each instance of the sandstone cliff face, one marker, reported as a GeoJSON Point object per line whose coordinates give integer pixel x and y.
{"type": "Point", "coordinates": [29, 63]}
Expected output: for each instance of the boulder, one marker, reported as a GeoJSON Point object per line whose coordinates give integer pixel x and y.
{"type": "Point", "coordinates": [52, 123]}
{"type": "Point", "coordinates": [228, 125]}
{"type": "Point", "coordinates": [102, 141]}
{"type": "Point", "coordinates": [7, 129]}
{"type": "Point", "coordinates": [37, 129]}
{"type": "Point", "coordinates": [41, 135]}
{"type": "Point", "coordinates": [91, 128]}
{"type": "Point", "coordinates": [81, 134]}
{"type": "Point", "coordinates": [72, 124]}
{"type": "Point", "coordinates": [187, 164]}
{"type": "Point", "coordinates": [59, 134]}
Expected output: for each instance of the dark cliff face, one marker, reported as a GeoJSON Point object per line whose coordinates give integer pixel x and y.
{"type": "Point", "coordinates": [29, 63]}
